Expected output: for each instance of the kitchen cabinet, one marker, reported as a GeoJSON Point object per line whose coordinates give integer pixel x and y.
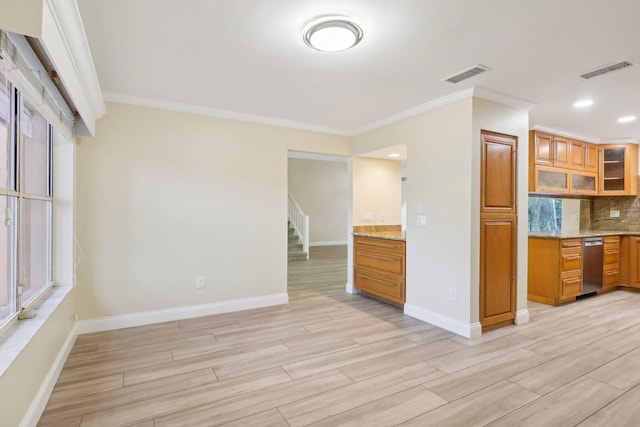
{"type": "Point", "coordinates": [611, 262]}
{"type": "Point", "coordinates": [583, 156]}
{"type": "Point", "coordinates": [619, 170]}
{"type": "Point", "coordinates": [498, 236]}
{"type": "Point", "coordinates": [549, 150]}
{"type": "Point", "coordinates": [555, 270]}
{"type": "Point", "coordinates": [379, 268]}
{"type": "Point", "coordinates": [630, 261]}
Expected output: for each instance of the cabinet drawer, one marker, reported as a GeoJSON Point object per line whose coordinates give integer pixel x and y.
{"type": "Point", "coordinates": [611, 256]}
{"type": "Point", "coordinates": [571, 261]}
{"type": "Point", "coordinates": [383, 262]}
{"type": "Point", "coordinates": [570, 286]}
{"type": "Point", "coordinates": [385, 287]}
{"type": "Point", "coordinates": [372, 244]}
{"type": "Point", "coordinates": [571, 243]}
{"type": "Point", "coordinates": [611, 275]}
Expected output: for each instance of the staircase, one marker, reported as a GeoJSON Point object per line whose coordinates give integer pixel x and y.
{"type": "Point", "coordinates": [296, 253]}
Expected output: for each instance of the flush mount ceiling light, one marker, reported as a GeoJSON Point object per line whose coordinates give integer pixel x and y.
{"type": "Point", "coordinates": [394, 155]}
{"type": "Point", "coordinates": [626, 119]}
{"type": "Point", "coordinates": [332, 34]}
{"type": "Point", "coordinates": [583, 103]}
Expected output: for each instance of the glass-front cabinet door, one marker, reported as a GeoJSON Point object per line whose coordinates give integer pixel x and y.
{"type": "Point", "coordinates": [551, 180]}
{"type": "Point", "coordinates": [584, 183]}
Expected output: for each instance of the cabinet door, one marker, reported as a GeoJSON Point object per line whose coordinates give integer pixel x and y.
{"type": "Point", "coordinates": [584, 183]}
{"type": "Point", "coordinates": [543, 152]}
{"type": "Point", "coordinates": [591, 158]}
{"type": "Point", "coordinates": [570, 285]}
{"type": "Point", "coordinates": [577, 154]}
{"type": "Point", "coordinates": [551, 180]}
{"type": "Point", "coordinates": [498, 177]}
{"type": "Point", "coordinates": [634, 262]}
{"type": "Point", "coordinates": [497, 269]}
{"type": "Point", "coordinates": [619, 170]}
{"type": "Point", "coordinates": [562, 152]}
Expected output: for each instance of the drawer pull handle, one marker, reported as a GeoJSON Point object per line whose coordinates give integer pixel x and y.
{"type": "Point", "coordinates": [376, 280]}
{"type": "Point", "coordinates": [611, 273]}
{"type": "Point", "coordinates": [384, 245]}
{"type": "Point", "coordinates": [378, 257]}
{"type": "Point", "coordinates": [572, 257]}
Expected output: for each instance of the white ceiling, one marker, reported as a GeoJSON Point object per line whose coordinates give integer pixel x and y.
{"type": "Point", "coordinates": [247, 58]}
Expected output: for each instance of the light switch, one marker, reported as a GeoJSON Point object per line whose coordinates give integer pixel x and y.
{"type": "Point", "coordinates": [422, 220]}
{"type": "Point", "coordinates": [419, 208]}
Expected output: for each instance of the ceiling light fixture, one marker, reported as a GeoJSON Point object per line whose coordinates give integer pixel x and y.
{"type": "Point", "coordinates": [394, 155]}
{"type": "Point", "coordinates": [583, 103]}
{"type": "Point", "coordinates": [332, 34]}
{"type": "Point", "coordinates": [626, 119]}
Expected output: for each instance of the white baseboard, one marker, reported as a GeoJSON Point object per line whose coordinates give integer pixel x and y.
{"type": "Point", "coordinates": [330, 243]}
{"type": "Point", "coordinates": [350, 289]}
{"type": "Point", "coordinates": [39, 402]}
{"type": "Point", "coordinates": [522, 317]}
{"type": "Point", "coordinates": [467, 330]}
{"type": "Point", "coordinates": [171, 314]}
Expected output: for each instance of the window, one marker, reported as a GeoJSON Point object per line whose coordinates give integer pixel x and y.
{"type": "Point", "coordinates": [25, 202]}
{"type": "Point", "coordinates": [545, 214]}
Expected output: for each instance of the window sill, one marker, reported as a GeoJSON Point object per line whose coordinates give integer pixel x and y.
{"type": "Point", "coordinates": [18, 337]}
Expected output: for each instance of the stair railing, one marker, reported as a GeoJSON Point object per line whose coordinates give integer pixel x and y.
{"type": "Point", "coordinates": [300, 223]}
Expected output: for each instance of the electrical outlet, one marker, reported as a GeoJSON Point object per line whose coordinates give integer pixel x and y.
{"type": "Point", "coordinates": [381, 216]}
{"type": "Point", "coordinates": [200, 282]}
{"type": "Point", "coordinates": [453, 295]}
{"type": "Point", "coordinates": [614, 213]}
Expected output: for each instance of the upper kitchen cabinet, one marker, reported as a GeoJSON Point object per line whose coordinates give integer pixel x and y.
{"type": "Point", "coordinates": [549, 150]}
{"type": "Point", "coordinates": [619, 170]}
{"type": "Point", "coordinates": [583, 156]}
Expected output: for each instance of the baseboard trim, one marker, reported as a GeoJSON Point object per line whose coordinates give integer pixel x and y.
{"type": "Point", "coordinates": [168, 315]}
{"type": "Point", "coordinates": [329, 243]}
{"type": "Point", "coordinates": [522, 317]}
{"type": "Point", "coordinates": [467, 330]}
{"type": "Point", "coordinates": [350, 289]}
{"type": "Point", "coordinates": [39, 402]}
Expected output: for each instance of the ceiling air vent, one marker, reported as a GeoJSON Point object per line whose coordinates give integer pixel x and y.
{"type": "Point", "coordinates": [466, 74]}
{"type": "Point", "coordinates": [607, 69]}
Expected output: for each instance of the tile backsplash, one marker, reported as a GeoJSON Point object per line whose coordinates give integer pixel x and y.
{"type": "Point", "coordinates": [599, 212]}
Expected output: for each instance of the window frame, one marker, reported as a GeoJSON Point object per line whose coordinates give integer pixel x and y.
{"type": "Point", "coordinates": [16, 190]}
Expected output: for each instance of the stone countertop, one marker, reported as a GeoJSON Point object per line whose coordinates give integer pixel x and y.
{"type": "Point", "coordinates": [582, 233]}
{"type": "Point", "coordinates": [389, 235]}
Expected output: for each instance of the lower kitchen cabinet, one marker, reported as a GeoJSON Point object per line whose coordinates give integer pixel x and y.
{"type": "Point", "coordinates": [555, 270]}
{"type": "Point", "coordinates": [379, 268]}
{"type": "Point", "coordinates": [611, 262]}
{"type": "Point", "coordinates": [630, 261]}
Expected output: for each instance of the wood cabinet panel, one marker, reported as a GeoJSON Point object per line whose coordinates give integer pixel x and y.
{"type": "Point", "coordinates": [577, 154]}
{"type": "Point", "coordinates": [542, 147]}
{"type": "Point", "coordinates": [591, 160]}
{"type": "Point", "coordinates": [379, 268]}
{"type": "Point", "coordinates": [555, 270]}
{"type": "Point", "coordinates": [498, 237]}
{"type": "Point", "coordinates": [498, 180]}
{"type": "Point", "coordinates": [618, 170]}
{"type": "Point", "coordinates": [562, 152]}
{"type": "Point", "coordinates": [497, 269]}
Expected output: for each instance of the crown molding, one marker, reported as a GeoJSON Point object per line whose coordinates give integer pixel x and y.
{"type": "Point", "coordinates": [303, 155]}
{"type": "Point", "coordinates": [66, 45]}
{"type": "Point", "coordinates": [411, 112]}
{"type": "Point", "coordinates": [568, 134]}
{"type": "Point", "coordinates": [484, 93]}
{"type": "Point", "coordinates": [213, 112]}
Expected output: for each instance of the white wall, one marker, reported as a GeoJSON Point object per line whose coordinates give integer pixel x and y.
{"type": "Point", "coordinates": [377, 191]}
{"type": "Point", "coordinates": [443, 170]}
{"type": "Point", "coordinates": [163, 197]}
{"type": "Point", "coordinates": [321, 188]}
{"type": "Point", "coordinates": [439, 175]}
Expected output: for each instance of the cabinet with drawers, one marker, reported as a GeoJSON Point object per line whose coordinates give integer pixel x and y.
{"type": "Point", "coordinates": [379, 268]}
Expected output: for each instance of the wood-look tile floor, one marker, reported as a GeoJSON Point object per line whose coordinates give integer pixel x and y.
{"type": "Point", "coordinates": [333, 359]}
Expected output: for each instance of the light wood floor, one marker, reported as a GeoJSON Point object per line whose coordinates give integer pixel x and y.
{"type": "Point", "coordinates": [333, 359]}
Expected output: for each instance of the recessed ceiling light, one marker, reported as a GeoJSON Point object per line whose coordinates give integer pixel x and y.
{"type": "Point", "coordinates": [583, 103]}
{"type": "Point", "coordinates": [626, 119]}
{"type": "Point", "coordinates": [332, 34]}
{"type": "Point", "coordinates": [394, 155]}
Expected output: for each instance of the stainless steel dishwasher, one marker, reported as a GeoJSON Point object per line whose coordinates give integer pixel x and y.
{"type": "Point", "coordinates": [591, 265]}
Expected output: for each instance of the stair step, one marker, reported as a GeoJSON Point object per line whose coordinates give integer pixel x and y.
{"type": "Point", "coordinates": [293, 247]}
{"type": "Point", "coordinates": [297, 256]}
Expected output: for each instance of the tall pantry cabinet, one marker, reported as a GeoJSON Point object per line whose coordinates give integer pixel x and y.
{"type": "Point", "coordinates": [498, 234]}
